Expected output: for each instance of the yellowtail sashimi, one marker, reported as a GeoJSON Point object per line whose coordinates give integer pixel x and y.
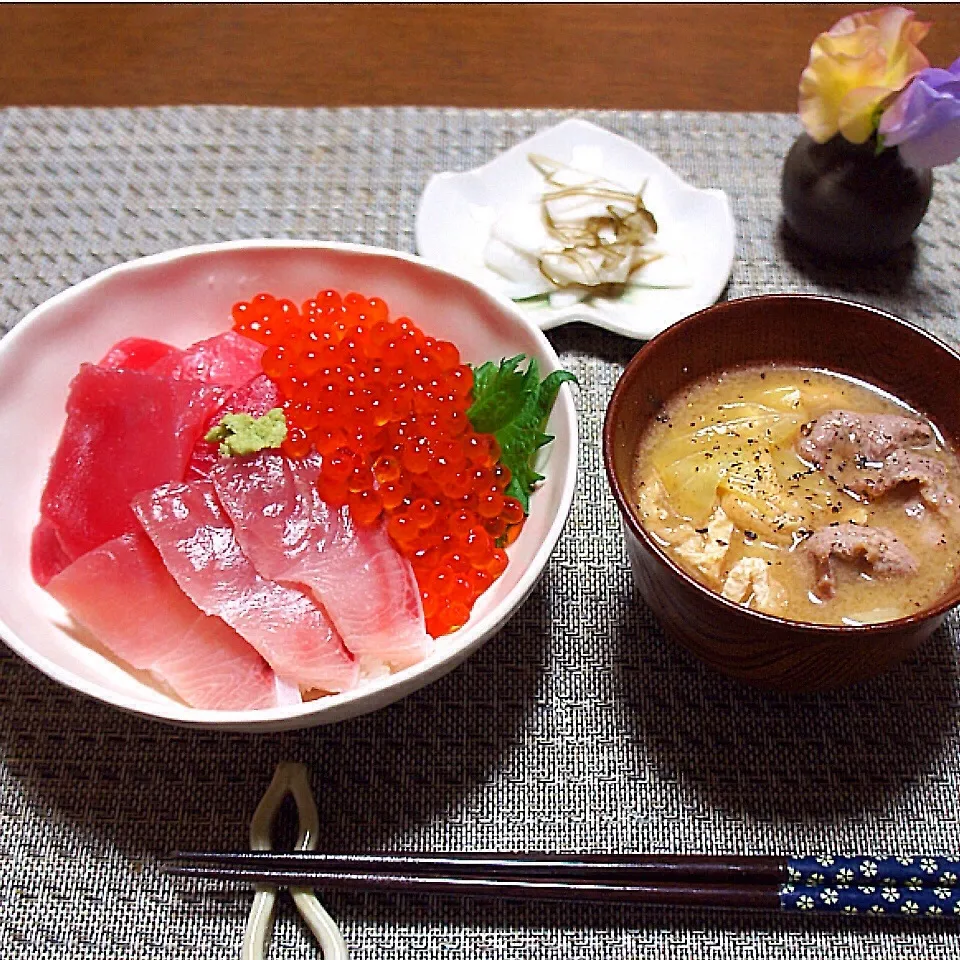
{"type": "Point", "coordinates": [291, 535]}
{"type": "Point", "coordinates": [200, 549]}
{"type": "Point", "coordinates": [124, 595]}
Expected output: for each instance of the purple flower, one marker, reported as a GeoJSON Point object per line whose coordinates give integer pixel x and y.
{"type": "Point", "coordinates": [924, 120]}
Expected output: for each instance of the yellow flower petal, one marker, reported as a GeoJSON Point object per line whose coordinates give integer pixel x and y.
{"type": "Point", "coordinates": [855, 117]}
{"type": "Point", "coordinates": [853, 67]}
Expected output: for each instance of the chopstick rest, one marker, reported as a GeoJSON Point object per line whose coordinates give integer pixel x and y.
{"type": "Point", "coordinates": [289, 778]}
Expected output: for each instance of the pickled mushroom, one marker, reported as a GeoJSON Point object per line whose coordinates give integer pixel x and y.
{"type": "Point", "coordinates": [584, 235]}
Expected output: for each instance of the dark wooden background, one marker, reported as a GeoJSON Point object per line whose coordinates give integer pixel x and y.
{"type": "Point", "coordinates": [628, 56]}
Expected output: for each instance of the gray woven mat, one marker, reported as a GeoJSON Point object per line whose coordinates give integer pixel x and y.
{"type": "Point", "coordinates": [577, 728]}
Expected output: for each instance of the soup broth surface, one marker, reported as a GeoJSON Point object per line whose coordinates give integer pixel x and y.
{"type": "Point", "coordinates": [731, 482]}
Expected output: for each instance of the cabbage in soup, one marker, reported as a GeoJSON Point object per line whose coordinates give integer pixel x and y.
{"type": "Point", "coordinates": [802, 494]}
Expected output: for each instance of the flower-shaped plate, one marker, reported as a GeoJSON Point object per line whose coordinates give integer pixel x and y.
{"type": "Point", "coordinates": [457, 211]}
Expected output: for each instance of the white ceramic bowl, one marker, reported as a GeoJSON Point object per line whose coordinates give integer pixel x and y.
{"type": "Point", "coordinates": [185, 295]}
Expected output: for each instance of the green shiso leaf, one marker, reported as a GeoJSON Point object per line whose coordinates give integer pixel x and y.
{"type": "Point", "coordinates": [513, 403]}
{"type": "Point", "coordinates": [239, 433]}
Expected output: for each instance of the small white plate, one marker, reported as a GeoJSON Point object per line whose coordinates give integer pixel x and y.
{"type": "Point", "coordinates": [457, 211]}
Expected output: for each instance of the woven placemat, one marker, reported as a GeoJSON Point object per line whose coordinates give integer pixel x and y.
{"type": "Point", "coordinates": [579, 727]}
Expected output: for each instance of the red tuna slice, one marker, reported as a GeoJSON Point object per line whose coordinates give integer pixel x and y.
{"type": "Point", "coordinates": [138, 353]}
{"type": "Point", "coordinates": [124, 595]}
{"type": "Point", "coordinates": [286, 626]}
{"type": "Point", "coordinates": [125, 432]}
{"type": "Point", "coordinates": [227, 358]}
{"type": "Point", "coordinates": [256, 398]}
{"type": "Point", "coordinates": [47, 556]}
{"type": "Point", "coordinates": [368, 589]}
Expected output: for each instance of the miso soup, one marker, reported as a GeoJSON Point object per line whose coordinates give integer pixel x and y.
{"type": "Point", "coordinates": [802, 494]}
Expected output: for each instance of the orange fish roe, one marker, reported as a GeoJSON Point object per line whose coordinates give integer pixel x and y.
{"type": "Point", "coordinates": [386, 407]}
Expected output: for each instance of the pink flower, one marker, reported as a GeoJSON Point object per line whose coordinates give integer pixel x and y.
{"type": "Point", "coordinates": [854, 68]}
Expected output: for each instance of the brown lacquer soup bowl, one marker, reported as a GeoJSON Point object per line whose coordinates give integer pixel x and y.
{"type": "Point", "coordinates": [795, 330]}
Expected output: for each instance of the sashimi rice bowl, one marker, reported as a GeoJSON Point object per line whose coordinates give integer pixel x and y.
{"type": "Point", "coordinates": [268, 484]}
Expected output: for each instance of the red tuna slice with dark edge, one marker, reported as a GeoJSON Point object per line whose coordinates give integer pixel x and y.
{"type": "Point", "coordinates": [287, 627]}
{"type": "Point", "coordinates": [138, 353]}
{"type": "Point", "coordinates": [227, 358]}
{"type": "Point", "coordinates": [290, 534]}
{"type": "Point", "coordinates": [125, 432]}
{"type": "Point", "coordinates": [124, 595]}
{"type": "Point", "coordinates": [255, 397]}
{"type": "Point", "coordinates": [47, 556]}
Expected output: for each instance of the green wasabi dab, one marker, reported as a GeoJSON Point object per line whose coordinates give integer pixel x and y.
{"type": "Point", "coordinates": [239, 433]}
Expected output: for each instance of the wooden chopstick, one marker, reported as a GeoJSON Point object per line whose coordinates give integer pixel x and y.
{"type": "Point", "coordinates": [919, 886]}
{"type": "Point", "coordinates": [624, 870]}
{"type": "Point", "coordinates": [577, 889]}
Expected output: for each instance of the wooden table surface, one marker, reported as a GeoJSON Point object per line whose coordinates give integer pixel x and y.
{"type": "Point", "coordinates": [624, 56]}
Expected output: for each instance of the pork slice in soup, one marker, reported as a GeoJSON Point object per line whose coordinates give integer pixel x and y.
{"type": "Point", "coordinates": [803, 494]}
{"type": "Point", "coordinates": [875, 453]}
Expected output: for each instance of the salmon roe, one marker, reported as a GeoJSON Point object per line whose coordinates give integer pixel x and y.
{"type": "Point", "coordinates": [386, 408]}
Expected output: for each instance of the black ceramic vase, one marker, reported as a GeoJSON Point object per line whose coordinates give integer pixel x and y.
{"type": "Point", "coordinates": [847, 201]}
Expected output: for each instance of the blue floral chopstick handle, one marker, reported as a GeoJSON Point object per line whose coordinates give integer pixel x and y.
{"type": "Point", "coordinates": [907, 872]}
{"type": "Point", "coordinates": [893, 886]}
